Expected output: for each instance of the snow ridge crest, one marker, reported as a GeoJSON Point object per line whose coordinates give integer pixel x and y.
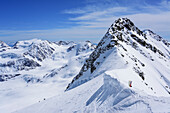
{"type": "Point", "coordinates": [122, 37]}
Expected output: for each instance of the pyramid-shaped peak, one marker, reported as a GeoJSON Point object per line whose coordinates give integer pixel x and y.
{"type": "Point", "coordinates": [124, 21]}
{"type": "Point", "coordinates": [117, 45]}
{"type": "Point", "coordinates": [123, 24]}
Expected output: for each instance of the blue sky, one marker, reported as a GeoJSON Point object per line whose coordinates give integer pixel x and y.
{"type": "Point", "coordinates": [78, 19]}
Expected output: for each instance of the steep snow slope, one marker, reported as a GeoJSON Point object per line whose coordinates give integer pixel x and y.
{"type": "Point", "coordinates": [129, 54]}
{"type": "Point", "coordinates": [58, 64]}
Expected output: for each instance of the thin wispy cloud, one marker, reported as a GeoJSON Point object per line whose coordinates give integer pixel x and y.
{"type": "Point", "coordinates": [100, 14]}
{"type": "Point", "coordinates": [155, 17]}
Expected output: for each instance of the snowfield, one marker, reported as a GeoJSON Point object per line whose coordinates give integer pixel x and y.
{"type": "Point", "coordinates": [39, 76]}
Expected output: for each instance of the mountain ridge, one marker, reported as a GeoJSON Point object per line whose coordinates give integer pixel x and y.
{"type": "Point", "coordinates": [123, 36]}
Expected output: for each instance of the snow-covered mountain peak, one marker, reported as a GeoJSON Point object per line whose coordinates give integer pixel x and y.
{"type": "Point", "coordinates": [27, 43]}
{"type": "Point", "coordinates": [124, 24]}
{"type": "Point", "coordinates": [40, 50]}
{"type": "Point", "coordinates": [125, 47]}
{"type": "Point", "coordinates": [64, 43]}
{"type": "Point", "coordinates": [87, 45]}
{"type": "Point", "coordinates": [3, 45]}
{"type": "Point", "coordinates": [90, 44]}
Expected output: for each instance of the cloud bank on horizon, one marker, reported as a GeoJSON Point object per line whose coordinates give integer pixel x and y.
{"type": "Point", "coordinates": [91, 21]}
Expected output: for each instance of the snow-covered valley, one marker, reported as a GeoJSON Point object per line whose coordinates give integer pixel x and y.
{"type": "Point", "coordinates": [38, 76]}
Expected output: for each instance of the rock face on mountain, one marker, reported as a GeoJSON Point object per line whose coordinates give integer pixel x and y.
{"type": "Point", "coordinates": [124, 47]}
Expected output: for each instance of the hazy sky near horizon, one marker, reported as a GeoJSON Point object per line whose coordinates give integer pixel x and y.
{"type": "Point", "coordinates": [78, 19]}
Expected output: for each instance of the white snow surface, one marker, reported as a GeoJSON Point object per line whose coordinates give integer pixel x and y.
{"type": "Point", "coordinates": [102, 94]}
